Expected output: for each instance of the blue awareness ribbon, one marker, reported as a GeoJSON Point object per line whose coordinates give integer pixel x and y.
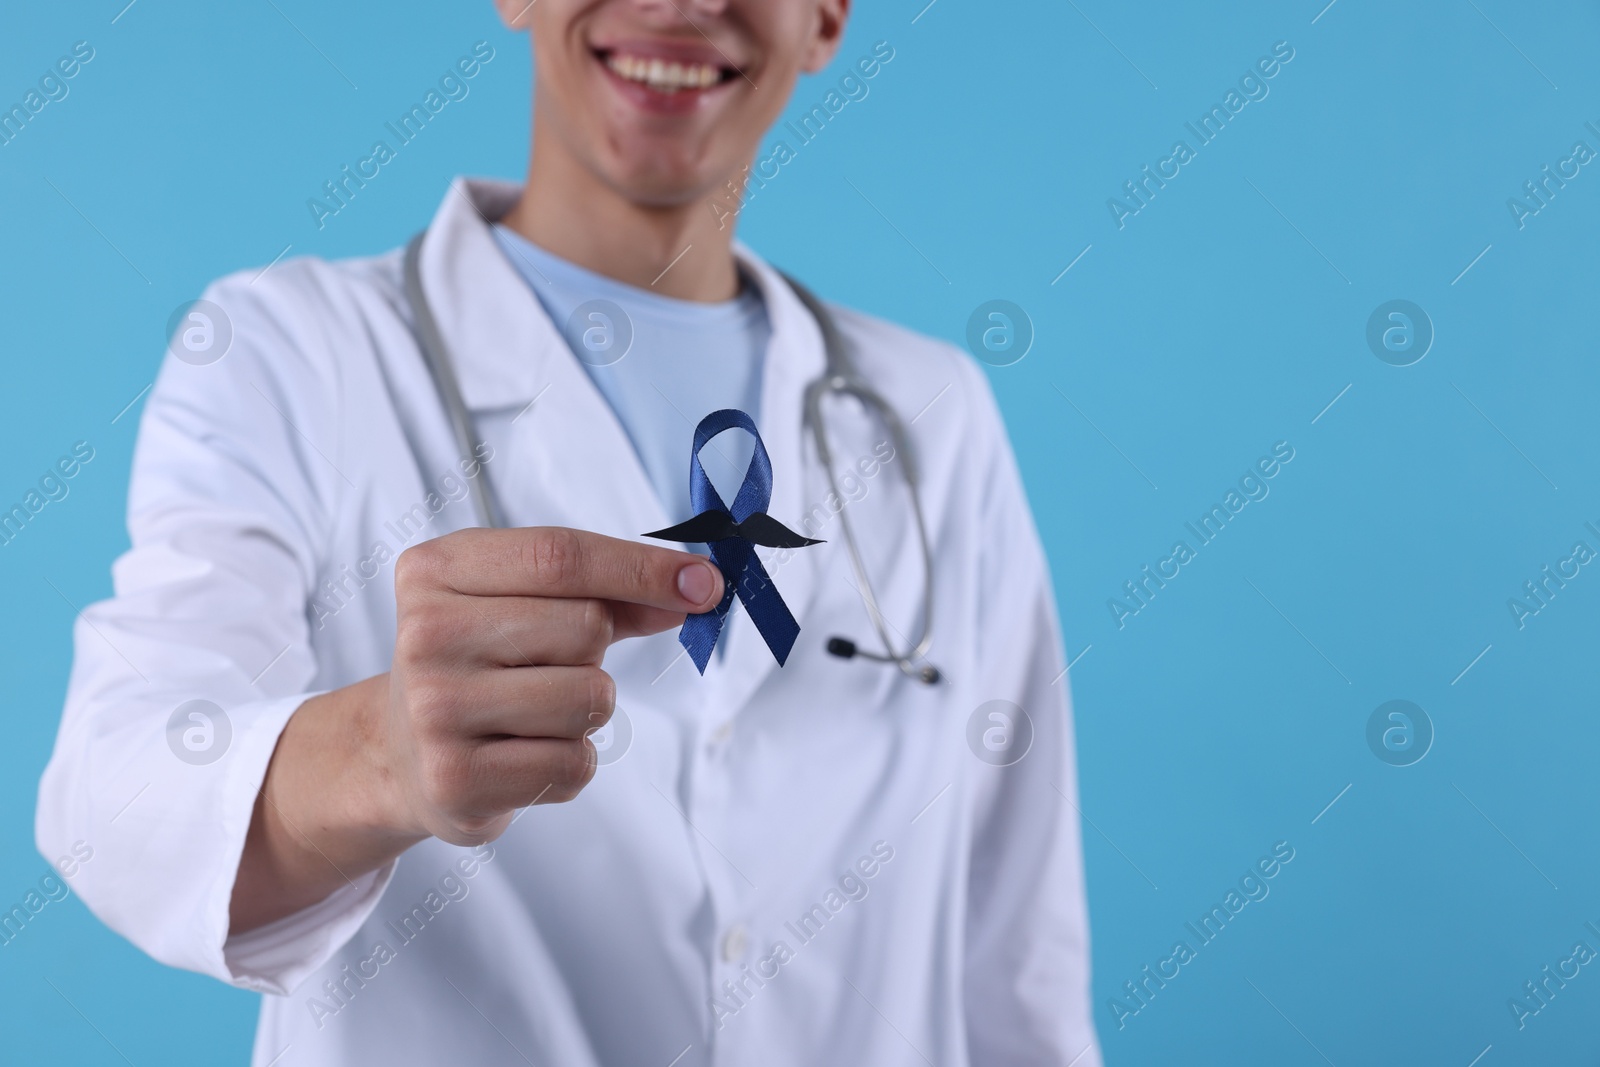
{"type": "Point", "coordinates": [732, 535]}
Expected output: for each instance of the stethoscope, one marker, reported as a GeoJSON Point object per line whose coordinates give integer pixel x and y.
{"type": "Point", "coordinates": [839, 377]}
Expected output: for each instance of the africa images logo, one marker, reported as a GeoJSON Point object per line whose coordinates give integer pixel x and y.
{"type": "Point", "coordinates": [199, 732]}
{"type": "Point", "coordinates": [1253, 86]}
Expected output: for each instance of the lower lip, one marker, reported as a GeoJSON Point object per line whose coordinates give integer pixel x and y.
{"type": "Point", "coordinates": [682, 102]}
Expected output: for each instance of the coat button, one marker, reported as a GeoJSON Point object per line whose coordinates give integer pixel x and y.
{"type": "Point", "coordinates": [733, 943]}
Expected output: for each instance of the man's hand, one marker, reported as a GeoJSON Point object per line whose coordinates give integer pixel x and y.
{"type": "Point", "coordinates": [495, 685]}
{"type": "Point", "coordinates": [496, 681]}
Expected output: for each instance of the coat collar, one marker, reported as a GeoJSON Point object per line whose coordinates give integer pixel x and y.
{"type": "Point", "coordinates": [507, 353]}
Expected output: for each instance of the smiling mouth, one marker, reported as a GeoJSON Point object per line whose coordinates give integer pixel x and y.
{"type": "Point", "coordinates": [667, 76]}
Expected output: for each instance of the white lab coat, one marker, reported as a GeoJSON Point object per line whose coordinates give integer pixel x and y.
{"type": "Point", "coordinates": [708, 896]}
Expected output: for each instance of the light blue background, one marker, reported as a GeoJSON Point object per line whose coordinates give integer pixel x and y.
{"type": "Point", "coordinates": [1209, 727]}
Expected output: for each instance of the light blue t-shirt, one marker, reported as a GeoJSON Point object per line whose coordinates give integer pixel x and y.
{"type": "Point", "coordinates": [662, 364]}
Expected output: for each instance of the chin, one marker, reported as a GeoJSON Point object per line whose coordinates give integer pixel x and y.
{"type": "Point", "coordinates": [666, 180]}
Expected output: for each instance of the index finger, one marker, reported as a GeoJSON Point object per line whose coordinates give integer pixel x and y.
{"type": "Point", "coordinates": [556, 561]}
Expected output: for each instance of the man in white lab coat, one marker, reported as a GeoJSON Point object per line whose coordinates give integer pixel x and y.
{"type": "Point", "coordinates": [331, 741]}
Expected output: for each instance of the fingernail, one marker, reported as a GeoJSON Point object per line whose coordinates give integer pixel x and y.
{"type": "Point", "coordinates": [695, 582]}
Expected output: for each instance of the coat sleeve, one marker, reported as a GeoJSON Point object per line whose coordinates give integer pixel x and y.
{"type": "Point", "coordinates": [184, 678]}
{"type": "Point", "coordinates": [1027, 935]}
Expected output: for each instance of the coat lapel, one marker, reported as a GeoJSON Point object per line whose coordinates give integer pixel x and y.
{"type": "Point", "coordinates": [572, 462]}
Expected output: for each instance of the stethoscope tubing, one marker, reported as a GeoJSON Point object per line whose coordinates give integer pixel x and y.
{"type": "Point", "coordinates": [839, 377]}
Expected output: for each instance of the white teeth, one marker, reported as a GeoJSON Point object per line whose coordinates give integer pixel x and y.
{"type": "Point", "coordinates": [664, 75]}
